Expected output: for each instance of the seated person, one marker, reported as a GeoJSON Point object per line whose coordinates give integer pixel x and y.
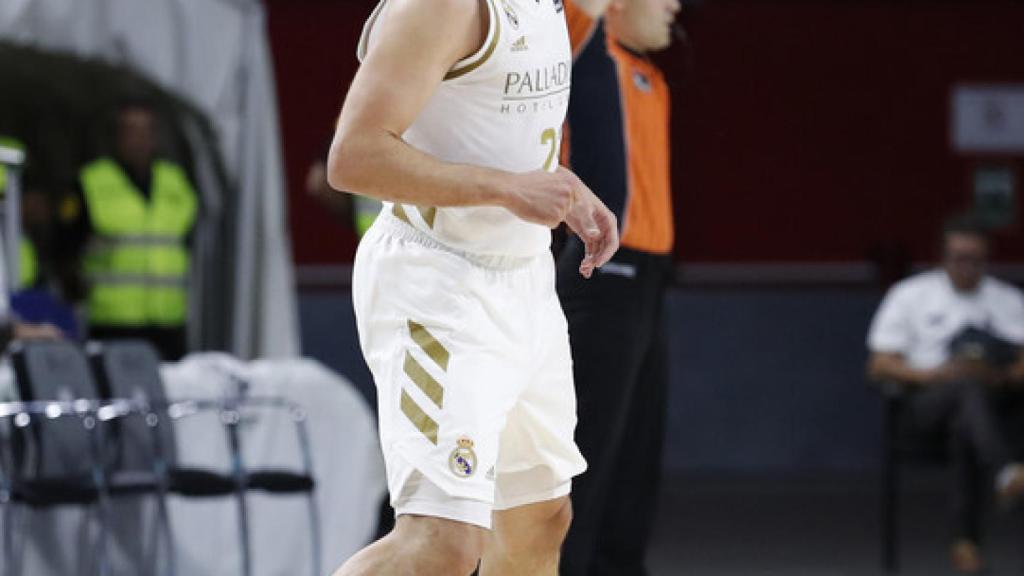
{"type": "Point", "coordinates": [31, 311]}
{"type": "Point", "coordinates": [12, 325]}
{"type": "Point", "coordinates": [37, 297]}
{"type": "Point", "coordinates": [955, 336]}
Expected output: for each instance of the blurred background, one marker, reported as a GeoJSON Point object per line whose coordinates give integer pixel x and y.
{"type": "Point", "coordinates": [818, 147]}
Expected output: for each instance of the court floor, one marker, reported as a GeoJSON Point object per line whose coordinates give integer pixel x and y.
{"type": "Point", "coordinates": [809, 525]}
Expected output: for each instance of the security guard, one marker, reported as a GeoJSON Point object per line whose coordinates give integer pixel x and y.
{"type": "Point", "coordinates": [139, 212]}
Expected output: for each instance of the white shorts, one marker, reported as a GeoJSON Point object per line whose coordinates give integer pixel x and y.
{"type": "Point", "coordinates": [471, 359]}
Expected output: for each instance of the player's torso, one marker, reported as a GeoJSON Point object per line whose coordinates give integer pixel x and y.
{"type": "Point", "coordinates": [502, 107]}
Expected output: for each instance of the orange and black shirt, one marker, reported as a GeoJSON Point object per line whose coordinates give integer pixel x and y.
{"type": "Point", "coordinates": [617, 133]}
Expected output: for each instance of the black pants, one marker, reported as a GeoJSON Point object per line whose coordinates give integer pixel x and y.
{"type": "Point", "coordinates": [978, 424]}
{"type": "Point", "coordinates": [619, 357]}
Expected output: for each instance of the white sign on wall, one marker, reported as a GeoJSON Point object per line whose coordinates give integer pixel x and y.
{"type": "Point", "coordinates": [988, 118]}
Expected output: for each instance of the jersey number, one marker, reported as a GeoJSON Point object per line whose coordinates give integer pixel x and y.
{"type": "Point", "coordinates": [549, 136]}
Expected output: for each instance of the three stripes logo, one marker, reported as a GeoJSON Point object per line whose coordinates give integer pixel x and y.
{"type": "Point", "coordinates": [423, 380]}
{"type": "Point", "coordinates": [513, 18]}
{"type": "Point", "coordinates": [520, 45]}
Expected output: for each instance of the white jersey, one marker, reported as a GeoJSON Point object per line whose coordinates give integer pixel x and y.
{"type": "Point", "coordinates": [922, 314]}
{"type": "Point", "coordinates": [502, 107]}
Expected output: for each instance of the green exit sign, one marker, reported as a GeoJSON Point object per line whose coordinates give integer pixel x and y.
{"type": "Point", "coordinates": [995, 195]}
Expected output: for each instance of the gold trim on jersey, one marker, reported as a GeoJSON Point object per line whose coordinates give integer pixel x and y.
{"type": "Point", "coordinates": [424, 423]}
{"type": "Point", "coordinates": [399, 213]}
{"type": "Point", "coordinates": [420, 377]}
{"type": "Point", "coordinates": [495, 21]}
{"type": "Point", "coordinates": [428, 213]}
{"type": "Point", "coordinates": [364, 37]}
{"type": "Point", "coordinates": [422, 337]}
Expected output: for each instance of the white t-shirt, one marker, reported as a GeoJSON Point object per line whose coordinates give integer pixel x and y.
{"type": "Point", "coordinates": [921, 315]}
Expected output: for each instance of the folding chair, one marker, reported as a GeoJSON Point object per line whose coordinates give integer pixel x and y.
{"type": "Point", "coordinates": [131, 369]}
{"type": "Point", "coordinates": [900, 447]}
{"type": "Point", "coordinates": [55, 449]}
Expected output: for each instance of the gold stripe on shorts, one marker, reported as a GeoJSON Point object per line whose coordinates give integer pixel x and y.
{"type": "Point", "coordinates": [419, 418]}
{"type": "Point", "coordinates": [429, 344]}
{"type": "Point", "coordinates": [431, 387]}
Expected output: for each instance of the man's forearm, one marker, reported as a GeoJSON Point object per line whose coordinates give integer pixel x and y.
{"type": "Point", "coordinates": [383, 166]}
{"type": "Point", "coordinates": [887, 366]}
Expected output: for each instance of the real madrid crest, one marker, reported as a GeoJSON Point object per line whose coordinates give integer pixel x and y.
{"type": "Point", "coordinates": [463, 459]}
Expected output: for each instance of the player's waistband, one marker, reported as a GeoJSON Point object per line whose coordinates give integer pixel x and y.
{"type": "Point", "coordinates": [389, 224]}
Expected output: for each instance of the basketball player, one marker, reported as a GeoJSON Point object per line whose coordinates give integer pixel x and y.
{"type": "Point", "coordinates": [453, 120]}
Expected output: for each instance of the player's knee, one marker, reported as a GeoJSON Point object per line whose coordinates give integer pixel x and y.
{"type": "Point", "coordinates": [552, 520]}
{"type": "Point", "coordinates": [460, 549]}
{"type": "Point", "coordinates": [454, 547]}
{"type": "Point", "coordinates": [561, 518]}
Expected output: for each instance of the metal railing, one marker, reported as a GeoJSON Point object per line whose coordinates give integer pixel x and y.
{"type": "Point", "coordinates": [12, 160]}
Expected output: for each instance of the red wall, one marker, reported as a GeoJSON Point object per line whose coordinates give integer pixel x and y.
{"type": "Point", "coordinates": [314, 51]}
{"type": "Point", "coordinates": [803, 131]}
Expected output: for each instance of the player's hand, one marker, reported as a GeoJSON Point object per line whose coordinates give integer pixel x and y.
{"type": "Point", "coordinates": [594, 223]}
{"type": "Point", "coordinates": [540, 197]}
{"type": "Point", "coordinates": [960, 369]}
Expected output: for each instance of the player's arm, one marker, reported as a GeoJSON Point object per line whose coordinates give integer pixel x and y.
{"type": "Point", "coordinates": [416, 43]}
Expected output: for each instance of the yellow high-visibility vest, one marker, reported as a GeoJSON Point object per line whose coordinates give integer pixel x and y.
{"type": "Point", "coordinates": [28, 264]}
{"type": "Point", "coordinates": [137, 262]}
{"type": "Point", "coordinates": [366, 210]}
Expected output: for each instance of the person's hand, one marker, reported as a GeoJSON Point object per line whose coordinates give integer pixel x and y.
{"type": "Point", "coordinates": [316, 180]}
{"type": "Point", "coordinates": [594, 223]}
{"type": "Point", "coordinates": [26, 331]}
{"type": "Point", "coordinates": [540, 196]}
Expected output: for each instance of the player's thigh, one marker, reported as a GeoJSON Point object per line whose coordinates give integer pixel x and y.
{"type": "Point", "coordinates": [447, 371]}
{"type": "Point", "coordinates": [538, 455]}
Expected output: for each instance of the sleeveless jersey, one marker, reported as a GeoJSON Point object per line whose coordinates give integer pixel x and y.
{"type": "Point", "coordinates": [502, 107]}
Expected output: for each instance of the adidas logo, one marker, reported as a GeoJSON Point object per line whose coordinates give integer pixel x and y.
{"type": "Point", "coordinates": [520, 45]}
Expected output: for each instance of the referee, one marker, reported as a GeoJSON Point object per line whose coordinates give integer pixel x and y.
{"type": "Point", "coordinates": [618, 143]}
